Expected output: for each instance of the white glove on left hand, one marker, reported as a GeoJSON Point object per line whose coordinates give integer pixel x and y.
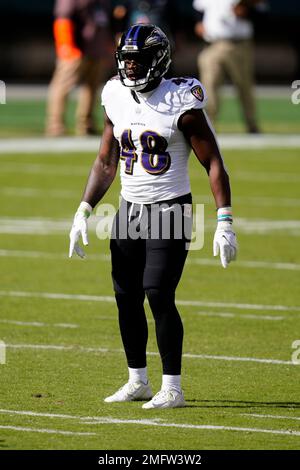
{"type": "Point", "coordinates": [80, 228]}
{"type": "Point", "coordinates": [225, 243]}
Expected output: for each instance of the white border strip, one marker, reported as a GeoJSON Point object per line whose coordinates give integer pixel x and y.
{"type": "Point", "coordinates": [48, 145]}
{"type": "Point", "coordinates": [26, 92]}
{"type": "Point", "coordinates": [91, 144]}
{"type": "Point", "coordinates": [55, 347]}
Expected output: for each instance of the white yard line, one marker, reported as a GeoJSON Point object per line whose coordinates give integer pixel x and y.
{"type": "Point", "coordinates": [53, 347]}
{"type": "Point", "coordinates": [41, 226]}
{"type": "Point", "coordinates": [106, 298]}
{"type": "Point", "coordinates": [198, 303]}
{"type": "Point", "coordinates": [45, 169]}
{"type": "Point", "coordinates": [264, 226]}
{"type": "Point", "coordinates": [47, 431]}
{"type": "Point", "coordinates": [91, 144]}
{"type": "Point", "coordinates": [38, 192]}
{"type": "Point", "coordinates": [30, 226]}
{"type": "Point", "coordinates": [267, 201]}
{"type": "Point", "coordinates": [96, 420]}
{"type": "Point", "coordinates": [243, 316]}
{"type": "Point", "coordinates": [56, 296]}
{"type": "Point", "coordinates": [261, 177]}
{"type": "Point", "coordinates": [245, 264]}
{"type": "Point", "coordinates": [237, 359]}
{"type": "Point", "coordinates": [256, 415]}
{"type": "Point", "coordinates": [29, 192]}
{"type": "Point", "coordinates": [49, 226]}
{"type": "Point", "coordinates": [48, 255]}
{"type": "Point", "coordinates": [190, 260]}
{"type": "Point", "coordinates": [38, 324]}
{"type": "Point", "coordinates": [37, 414]}
{"type": "Point", "coordinates": [195, 426]}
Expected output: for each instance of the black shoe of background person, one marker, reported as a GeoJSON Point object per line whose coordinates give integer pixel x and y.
{"type": "Point", "coordinates": [253, 129]}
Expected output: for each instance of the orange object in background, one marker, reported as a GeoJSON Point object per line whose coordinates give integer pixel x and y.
{"type": "Point", "coordinates": [66, 48]}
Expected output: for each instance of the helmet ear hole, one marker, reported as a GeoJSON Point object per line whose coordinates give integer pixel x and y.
{"type": "Point", "coordinates": [149, 47]}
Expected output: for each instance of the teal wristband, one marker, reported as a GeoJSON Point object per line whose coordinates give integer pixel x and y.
{"type": "Point", "coordinates": [224, 214]}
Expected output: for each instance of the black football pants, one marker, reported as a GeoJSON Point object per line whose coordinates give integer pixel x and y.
{"type": "Point", "coordinates": [150, 264]}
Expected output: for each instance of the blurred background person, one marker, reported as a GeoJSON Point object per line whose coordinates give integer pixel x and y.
{"type": "Point", "coordinates": [227, 29]}
{"type": "Point", "coordinates": [84, 45]}
{"type": "Point", "coordinates": [157, 12]}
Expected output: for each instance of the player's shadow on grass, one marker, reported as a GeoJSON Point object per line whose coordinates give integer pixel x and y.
{"type": "Point", "coordinates": [240, 404]}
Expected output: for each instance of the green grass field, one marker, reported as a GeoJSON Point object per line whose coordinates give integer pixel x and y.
{"type": "Point", "coordinates": [59, 321]}
{"type": "Point", "coordinates": [275, 114]}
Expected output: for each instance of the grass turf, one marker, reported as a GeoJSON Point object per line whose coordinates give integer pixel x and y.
{"type": "Point", "coordinates": [73, 382]}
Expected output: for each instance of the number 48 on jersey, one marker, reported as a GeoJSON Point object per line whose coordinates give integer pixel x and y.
{"type": "Point", "coordinates": [154, 158]}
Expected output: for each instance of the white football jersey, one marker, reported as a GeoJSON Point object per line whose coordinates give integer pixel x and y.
{"type": "Point", "coordinates": [153, 152]}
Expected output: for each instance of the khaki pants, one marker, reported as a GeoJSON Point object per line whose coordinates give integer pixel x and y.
{"type": "Point", "coordinates": [234, 59]}
{"type": "Point", "coordinates": [69, 73]}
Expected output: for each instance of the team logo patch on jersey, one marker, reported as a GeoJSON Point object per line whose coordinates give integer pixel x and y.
{"type": "Point", "coordinates": [198, 92]}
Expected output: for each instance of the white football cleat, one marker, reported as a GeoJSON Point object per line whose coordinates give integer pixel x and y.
{"type": "Point", "coordinates": [131, 391]}
{"type": "Point", "coordinates": [169, 398]}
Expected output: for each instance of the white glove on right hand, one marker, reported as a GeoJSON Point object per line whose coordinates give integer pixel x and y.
{"type": "Point", "coordinates": [80, 228]}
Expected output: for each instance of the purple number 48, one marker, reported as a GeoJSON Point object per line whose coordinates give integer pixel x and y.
{"type": "Point", "coordinates": [154, 158]}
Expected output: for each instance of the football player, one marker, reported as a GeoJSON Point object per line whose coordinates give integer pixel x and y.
{"type": "Point", "coordinates": [151, 124]}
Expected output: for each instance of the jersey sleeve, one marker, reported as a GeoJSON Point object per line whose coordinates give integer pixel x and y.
{"type": "Point", "coordinates": [104, 95]}
{"type": "Point", "coordinates": [192, 96]}
{"type": "Point", "coordinates": [108, 98]}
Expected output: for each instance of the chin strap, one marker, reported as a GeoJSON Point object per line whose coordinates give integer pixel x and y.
{"type": "Point", "coordinates": [135, 96]}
